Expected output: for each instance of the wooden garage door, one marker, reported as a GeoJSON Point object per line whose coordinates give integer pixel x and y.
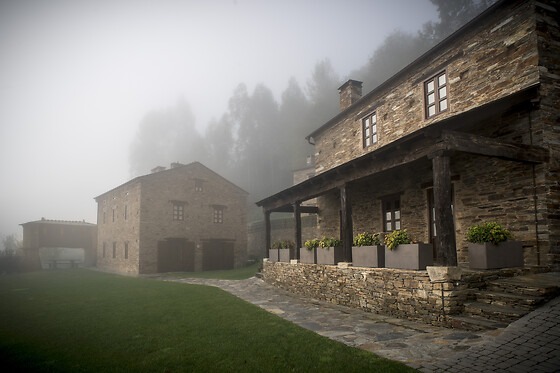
{"type": "Point", "coordinates": [217, 255]}
{"type": "Point", "coordinates": [175, 255]}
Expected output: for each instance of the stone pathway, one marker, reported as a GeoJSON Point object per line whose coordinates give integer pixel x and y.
{"type": "Point", "coordinates": [529, 344]}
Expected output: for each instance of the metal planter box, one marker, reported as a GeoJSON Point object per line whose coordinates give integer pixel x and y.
{"type": "Point", "coordinates": [415, 256]}
{"type": "Point", "coordinates": [307, 256]}
{"type": "Point", "coordinates": [506, 254]}
{"type": "Point", "coordinates": [330, 255]}
{"type": "Point", "coordinates": [368, 256]}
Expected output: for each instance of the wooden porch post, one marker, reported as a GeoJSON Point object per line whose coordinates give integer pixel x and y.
{"type": "Point", "coordinates": [297, 218]}
{"type": "Point", "coordinates": [346, 223]}
{"type": "Point", "coordinates": [267, 232]}
{"type": "Point", "coordinates": [446, 250]}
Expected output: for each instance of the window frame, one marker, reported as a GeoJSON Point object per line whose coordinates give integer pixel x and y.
{"type": "Point", "coordinates": [435, 79]}
{"type": "Point", "coordinates": [392, 205]}
{"type": "Point", "coordinates": [218, 215]}
{"type": "Point", "coordinates": [368, 128]}
{"type": "Point", "coordinates": [178, 211]}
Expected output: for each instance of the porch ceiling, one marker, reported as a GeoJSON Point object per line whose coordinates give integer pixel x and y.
{"type": "Point", "coordinates": [439, 137]}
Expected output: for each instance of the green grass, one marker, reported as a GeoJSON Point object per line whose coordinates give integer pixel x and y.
{"type": "Point", "coordinates": [231, 274]}
{"type": "Point", "coordinates": [87, 321]}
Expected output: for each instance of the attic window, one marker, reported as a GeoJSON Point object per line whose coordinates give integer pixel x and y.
{"type": "Point", "coordinates": [436, 94]}
{"type": "Point", "coordinates": [198, 185]}
{"type": "Point", "coordinates": [369, 130]}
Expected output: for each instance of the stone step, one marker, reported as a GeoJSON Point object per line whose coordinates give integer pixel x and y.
{"type": "Point", "coordinates": [527, 302]}
{"type": "Point", "coordinates": [545, 285]}
{"type": "Point", "coordinates": [475, 323]}
{"type": "Point", "coordinates": [503, 314]}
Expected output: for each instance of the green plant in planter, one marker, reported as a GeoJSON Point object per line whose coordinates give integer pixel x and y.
{"type": "Point", "coordinates": [396, 238]}
{"type": "Point", "coordinates": [488, 232]}
{"type": "Point", "coordinates": [367, 239]}
{"type": "Point", "coordinates": [327, 242]}
{"type": "Point", "coordinates": [283, 244]}
{"type": "Point", "coordinates": [312, 244]}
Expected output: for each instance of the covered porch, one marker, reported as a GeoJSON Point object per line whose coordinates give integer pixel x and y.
{"type": "Point", "coordinates": [428, 153]}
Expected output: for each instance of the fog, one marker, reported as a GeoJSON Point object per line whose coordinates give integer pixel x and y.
{"type": "Point", "coordinates": [78, 78]}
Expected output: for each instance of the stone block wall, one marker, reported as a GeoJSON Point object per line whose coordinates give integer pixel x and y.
{"type": "Point", "coordinates": [400, 293]}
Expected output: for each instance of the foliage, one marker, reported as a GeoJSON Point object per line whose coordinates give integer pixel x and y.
{"type": "Point", "coordinates": [488, 232]}
{"type": "Point", "coordinates": [312, 244]}
{"type": "Point", "coordinates": [396, 238]}
{"type": "Point", "coordinates": [283, 244]}
{"type": "Point", "coordinates": [327, 242]}
{"type": "Point", "coordinates": [88, 321]}
{"type": "Point", "coordinates": [367, 239]}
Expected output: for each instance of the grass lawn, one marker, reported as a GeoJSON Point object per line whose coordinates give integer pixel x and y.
{"type": "Point", "coordinates": [88, 321]}
{"type": "Point", "coordinates": [232, 274]}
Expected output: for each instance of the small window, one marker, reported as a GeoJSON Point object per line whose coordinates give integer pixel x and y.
{"type": "Point", "coordinates": [104, 248]}
{"type": "Point", "coordinates": [198, 185]}
{"type": "Point", "coordinates": [113, 214]}
{"type": "Point", "coordinates": [369, 130]}
{"type": "Point", "coordinates": [218, 214]}
{"type": "Point", "coordinates": [104, 217]}
{"type": "Point", "coordinates": [436, 94]}
{"type": "Point", "coordinates": [178, 211]}
{"type": "Point", "coordinates": [125, 212]}
{"type": "Point", "coordinates": [114, 249]}
{"type": "Point", "coordinates": [126, 250]}
{"type": "Point", "coordinates": [391, 214]}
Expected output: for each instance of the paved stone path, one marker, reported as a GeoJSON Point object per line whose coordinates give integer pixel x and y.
{"type": "Point", "coordinates": [531, 344]}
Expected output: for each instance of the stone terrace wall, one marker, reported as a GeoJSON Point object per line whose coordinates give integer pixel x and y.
{"type": "Point", "coordinates": [400, 293]}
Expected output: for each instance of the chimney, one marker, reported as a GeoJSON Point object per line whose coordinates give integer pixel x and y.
{"type": "Point", "coordinates": [350, 92]}
{"type": "Point", "coordinates": [176, 164]}
{"type": "Point", "coordinates": [157, 169]}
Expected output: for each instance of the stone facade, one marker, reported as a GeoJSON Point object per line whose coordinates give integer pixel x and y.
{"type": "Point", "coordinates": [189, 203]}
{"type": "Point", "coordinates": [509, 49]}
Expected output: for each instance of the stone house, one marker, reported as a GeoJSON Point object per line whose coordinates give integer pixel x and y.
{"type": "Point", "coordinates": [469, 132]}
{"type": "Point", "coordinates": [185, 218]}
{"type": "Point", "coordinates": [58, 243]}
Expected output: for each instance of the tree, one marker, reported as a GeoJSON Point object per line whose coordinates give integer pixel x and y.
{"type": "Point", "coordinates": [166, 136]}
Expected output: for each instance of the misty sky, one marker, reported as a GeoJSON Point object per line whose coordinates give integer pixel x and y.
{"type": "Point", "coordinates": [77, 76]}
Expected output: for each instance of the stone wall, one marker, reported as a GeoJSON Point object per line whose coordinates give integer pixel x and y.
{"type": "Point", "coordinates": [400, 293]}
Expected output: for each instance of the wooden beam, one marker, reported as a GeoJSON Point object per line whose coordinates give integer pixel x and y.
{"type": "Point", "coordinates": [346, 223]}
{"type": "Point", "coordinates": [474, 144]}
{"type": "Point", "coordinates": [445, 228]}
{"type": "Point", "coordinates": [267, 232]}
{"type": "Point", "coordinates": [297, 219]}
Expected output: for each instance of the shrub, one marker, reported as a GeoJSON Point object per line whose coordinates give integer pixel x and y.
{"type": "Point", "coordinates": [284, 244]}
{"type": "Point", "coordinates": [367, 239]}
{"type": "Point", "coordinates": [312, 244]}
{"type": "Point", "coordinates": [327, 242]}
{"type": "Point", "coordinates": [488, 232]}
{"type": "Point", "coordinates": [396, 238]}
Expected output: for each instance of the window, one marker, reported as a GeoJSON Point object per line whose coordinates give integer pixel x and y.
{"type": "Point", "coordinates": [369, 130]}
{"type": "Point", "coordinates": [113, 214]}
{"type": "Point", "coordinates": [178, 211]}
{"type": "Point", "coordinates": [126, 250]}
{"type": "Point", "coordinates": [218, 214]}
{"type": "Point", "coordinates": [391, 214]}
{"type": "Point", "coordinates": [198, 185]}
{"type": "Point", "coordinates": [114, 249]}
{"type": "Point", "coordinates": [104, 248]}
{"type": "Point", "coordinates": [125, 212]}
{"type": "Point", "coordinates": [435, 94]}
{"type": "Point", "coordinates": [104, 217]}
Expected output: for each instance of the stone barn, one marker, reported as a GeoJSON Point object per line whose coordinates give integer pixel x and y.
{"type": "Point", "coordinates": [185, 218]}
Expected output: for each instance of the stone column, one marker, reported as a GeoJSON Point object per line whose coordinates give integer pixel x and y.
{"type": "Point", "coordinates": [267, 232]}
